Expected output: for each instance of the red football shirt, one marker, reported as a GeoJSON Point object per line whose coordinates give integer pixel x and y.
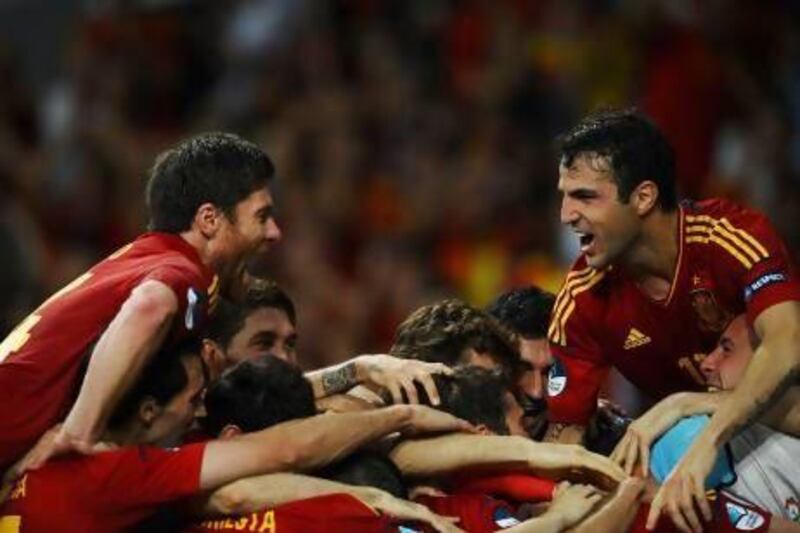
{"type": "Point", "coordinates": [730, 261]}
{"type": "Point", "coordinates": [41, 358]}
{"type": "Point", "coordinates": [107, 492]}
{"type": "Point", "coordinates": [477, 513]}
{"type": "Point", "coordinates": [325, 514]}
{"type": "Point", "coordinates": [730, 514]}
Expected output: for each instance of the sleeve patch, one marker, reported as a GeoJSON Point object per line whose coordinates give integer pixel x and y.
{"type": "Point", "coordinates": [763, 281]}
{"type": "Point", "coordinates": [556, 379]}
{"type": "Point", "coordinates": [742, 518]}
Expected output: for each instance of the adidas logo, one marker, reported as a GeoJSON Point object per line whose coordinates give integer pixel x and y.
{"type": "Point", "coordinates": [635, 339]}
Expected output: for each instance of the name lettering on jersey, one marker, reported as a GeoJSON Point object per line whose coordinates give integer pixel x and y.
{"type": "Point", "coordinates": [635, 339]}
{"type": "Point", "coordinates": [736, 241]}
{"type": "Point", "coordinates": [764, 281]}
{"type": "Point", "coordinates": [261, 522]}
{"type": "Point", "coordinates": [577, 282]}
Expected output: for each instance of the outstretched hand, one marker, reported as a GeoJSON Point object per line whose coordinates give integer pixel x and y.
{"type": "Point", "coordinates": [683, 492]}
{"type": "Point", "coordinates": [398, 376]}
{"type": "Point", "coordinates": [55, 442]}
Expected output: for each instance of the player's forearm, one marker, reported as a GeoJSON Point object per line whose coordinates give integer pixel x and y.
{"type": "Point", "coordinates": [299, 445]}
{"type": "Point", "coordinates": [773, 368]}
{"type": "Point", "coordinates": [784, 416]}
{"type": "Point", "coordinates": [255, 493]}
{"type": "Point", "coordinates": [117, 360]}
{"type": "Point", "coordinates": [334, 379]}
{"type": "Point", "coordinates": [447, 453]}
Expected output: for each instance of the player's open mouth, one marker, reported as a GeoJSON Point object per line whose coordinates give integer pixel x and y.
{"type": "Point", "coordinates": [586, 240]}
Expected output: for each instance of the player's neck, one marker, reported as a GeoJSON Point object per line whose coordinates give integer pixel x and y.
{"type": "Point", "coordinates": [125, 434]}
{"type": "Point", "coordinates": [199, 243]}
{"type": "Point", "coordinates": [654, 257]}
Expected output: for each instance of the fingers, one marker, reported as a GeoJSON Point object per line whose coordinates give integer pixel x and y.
{"type": "Point", "coordinates": [631, 456]}
{"type": "Point", "coordinates": [410, 390]}
{"type": "Point", "coordinates": [394, 390]}
{"type": "Point", "coordinates": [645, 458]}
{"type": "Point", "coordinates": [655, 511]}
{"type": "Point", "coordinates": [686, 506]}
{"type": "Point", "coordinates": [430, 388]}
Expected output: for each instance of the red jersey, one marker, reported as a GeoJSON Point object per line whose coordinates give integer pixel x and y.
{"type": "Point", "coordinates": [730, 261]}
{"type": "Point", "coordinates": [41, 359]}
{"type": "Point", "coordinates": [106, 492]}
{"type": "Point", "coordinates": [730, 515]}
{"type": "Point", "coordinates": [325, 514]}
{"type": "Point", "coordinates": [477, 513]}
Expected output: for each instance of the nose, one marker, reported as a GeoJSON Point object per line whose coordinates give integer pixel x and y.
{"type": "Point", "coordinates": [710, 363]}
{"type": "Point", "coordinates": [537, 387]}
{"type": "Point", "coordinates": [568, 213]}
{"type": "Point", "coordinates": [273, 231]}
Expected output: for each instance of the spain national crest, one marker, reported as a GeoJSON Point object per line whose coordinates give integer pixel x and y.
{"type": "Point", "coordinates": [711, 316]}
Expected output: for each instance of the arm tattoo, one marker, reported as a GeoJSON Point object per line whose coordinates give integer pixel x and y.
{"type": "Point", "coordinates": [339, 379]}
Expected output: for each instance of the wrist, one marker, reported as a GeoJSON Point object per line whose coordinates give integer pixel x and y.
{"type": "Point", "coordinates": [361, 363]}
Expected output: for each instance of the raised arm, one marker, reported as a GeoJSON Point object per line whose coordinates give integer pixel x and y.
{"type": "Point", "coordinates": [447, 453]}
{"type": "Point", "coordinates": [308, 444]}
{"type": "Point", "coordinates": [118, 358]}
{"type": "Point", "coordinates": [774, 367]}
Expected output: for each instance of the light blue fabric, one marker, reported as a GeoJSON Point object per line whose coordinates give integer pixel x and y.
{"type": "Point", "coordinates": [668, 450]}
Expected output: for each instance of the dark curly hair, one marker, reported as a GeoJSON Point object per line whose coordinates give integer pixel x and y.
{"type": "Point", "coordinates": [636, 150]}
{"type": "Point", "coordinates": [440, 333]}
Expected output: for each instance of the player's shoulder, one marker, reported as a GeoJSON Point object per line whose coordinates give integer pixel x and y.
{"type": "Point", "coordinates": [740, 232]}
{"type": "Point", "coordinates": [719, 208]}
{"type": "Point", "coordinates": [583, 294]}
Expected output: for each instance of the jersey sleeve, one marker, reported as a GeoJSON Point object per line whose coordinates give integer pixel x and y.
{"type": "Point", "coordinates": [143, 476]}
{"type": "Point", "coordinates": [579, 366]}
{"type": "Point", "coordinates": [754, 253]}
{"type": "Point", "coordinates": [190, 290]}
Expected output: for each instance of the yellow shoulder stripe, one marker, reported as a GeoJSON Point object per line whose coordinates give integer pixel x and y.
{"type": "Point", "coordinates": [737, 242]}
{"type": "Point", "coordinates": [564, 309]}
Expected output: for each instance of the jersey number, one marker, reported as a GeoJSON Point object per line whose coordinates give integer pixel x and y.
{"type": "Point", "coordinates": [20, 335]}
{"type": "Point", "coordinates": [10, 524]}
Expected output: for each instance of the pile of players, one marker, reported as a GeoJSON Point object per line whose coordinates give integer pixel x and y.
{"type": "Point", "coordinates": [161, 389]}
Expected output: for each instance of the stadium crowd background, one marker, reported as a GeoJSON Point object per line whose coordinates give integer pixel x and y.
{"type": "Point", "coordinates": [413, 139]}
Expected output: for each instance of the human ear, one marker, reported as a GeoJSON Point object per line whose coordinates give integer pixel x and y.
{"type": "Point", "coordinates": [149, 411]}
{"type": "Point", "coordinates": [644, 197]}
{"type": "Point", "coordinates": [207, 219]}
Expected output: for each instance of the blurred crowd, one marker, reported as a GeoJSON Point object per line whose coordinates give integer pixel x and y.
{"type": "Point", "coordinates": [413, 138]}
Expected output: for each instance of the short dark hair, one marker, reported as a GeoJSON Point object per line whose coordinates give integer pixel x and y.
{"type": "Point", "coordinates": [220, 168]}
{"type": "Point", "coordinates": [368, 469]}
{"type": "Point", "coordinates": [525, 310]}
{"type": "Point", "coordinates": [636, 149]}
{"type": "Point", "coordinates": [257, 394]}
{"type": "Point", "coordinates": [474, 394]}
{"type": "Point", "coordinates": [229, 317]}
{"type": "Point", "coordinates": [162, 379]}
{"type": "Point", "coordinates": [440, 333]}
